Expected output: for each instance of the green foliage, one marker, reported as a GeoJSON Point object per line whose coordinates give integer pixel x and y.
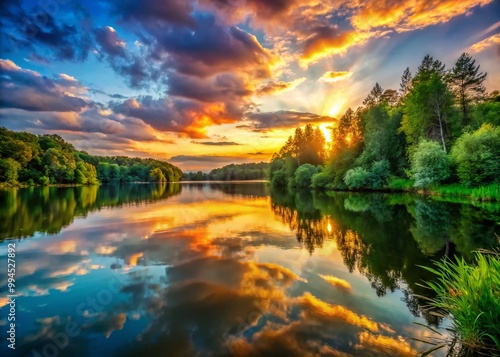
{"type": "Point", "coordinates": [9, 170]}
{"type": "Point", "coordinates": [357, 177]}
{"type": "Point", "coordinates": [487, 112]}
{"type": "Point", "coordinates": [401, 184]}
{"type": "Point", "coordinates": [156, 175]}
{"type": "Point", "coordinates": [321, 180]}
{"type": "Point", "coordinates": [279, 179]}
{"type": "Point", "coordinates": [428, 110]}
{"type": "Point", "coordinates": [489, 192]}
{"type": "Point", "coordinates": [467, 84]}
{"type": "Point", "coordinates": [302, 177]}
{"type": "Point", "coordinates": [376, 177]}
{"type": "Point", "coordinates": [470, 294]}
{"type": "Point", "coordinates": [305, 146]}
{"type": "Point", "coordinates": [477, 156]}
{"type": "Point", "coordinates": [48, 159]}
{"type": "Point", "coordinates": [429, 164]}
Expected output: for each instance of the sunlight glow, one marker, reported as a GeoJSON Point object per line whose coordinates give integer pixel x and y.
{"type": "Point", "coordinates": [327, 132]}
{"type": "Point", "coordinates": [335, 108]}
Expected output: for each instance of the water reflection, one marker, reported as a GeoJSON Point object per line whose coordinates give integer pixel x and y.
{"type": "Point", "coordinates": [227, 269]}
{"type": "Point", "coordinates": [26, 211]}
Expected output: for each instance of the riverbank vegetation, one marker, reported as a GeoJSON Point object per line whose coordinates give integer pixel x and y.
{"type": "Point", "coordinates": [252, 171]}
{"type": "Point", "coordinates": [470, 293]}
{"type": "Point", "coordinates": [439, 133]}
{"type": "Point", "coordinates": [29, 159]}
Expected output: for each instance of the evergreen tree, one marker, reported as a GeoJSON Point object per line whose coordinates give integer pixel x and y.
{"type": "Point", "coordinates": [467, 84]}
{"type": "Point", "coordinates": [405, 85]}
{"type": "Point", "coordinates": [374, 97]}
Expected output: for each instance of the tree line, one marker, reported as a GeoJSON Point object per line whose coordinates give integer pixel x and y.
{"type": "Point", "coordinates": [439, 127]}
{"type": "Point", "coordinates": [252, 171]}
{"type": "Point", "coordinates": [27, 158]}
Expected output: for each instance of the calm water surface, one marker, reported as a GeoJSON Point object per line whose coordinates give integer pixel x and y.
{"type": "Point", "coordinates": [205, 269]}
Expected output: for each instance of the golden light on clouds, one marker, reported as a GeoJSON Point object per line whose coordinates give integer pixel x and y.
{"type": "Point", "coordinates": [493, 40]}
{"type": "Point", "coordinates": [332, 76]}
{"type": "Point", "coordinates": [333, 280]}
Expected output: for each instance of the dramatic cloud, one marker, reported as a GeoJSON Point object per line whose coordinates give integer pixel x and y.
{"type": "Point", "coordinates": [217, 143]}
{"type": "Point", "coordinates": [408, 14]}
{"type": "Point", "coordinates": [332, 76]}
{"type": "Point", "coordinates": [184, 117]}
{"type": "Point", "coordinates": [492, 41]}
{"type": "Point", "coordinates": [284, 119]}
{"type": "Point", "coordinates": [28, 90]}
{"type": "Point", "coordinates": [109, 41]}
{"type": "Point", "coordinates": [327, 41]}
{"type": "Point", "coordinates": [279, 86]}
{"type": "Point", "coordinates": [68, 39]}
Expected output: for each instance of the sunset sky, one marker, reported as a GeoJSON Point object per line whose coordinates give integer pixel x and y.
{"type": "Point", "coordinates": [205, 83]}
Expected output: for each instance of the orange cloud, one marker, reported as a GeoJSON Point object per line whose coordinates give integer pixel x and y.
{"type": "Point", "coordinates": [328, 41]}
{"type": "Point", "coordinates": [480, 46]}
{"type": "Point", "coordinates": [279, 86]}
{"type": "Point", "coordinates": [332, 76]}
{"type": "Point", "coordinates": [383, 345]}
{"type": "Point", "coordinates": [336, 281]}
{"type": "Point", "coordinates": [410, 14]}
{"type": "Point", "coordinates": [315, 308]}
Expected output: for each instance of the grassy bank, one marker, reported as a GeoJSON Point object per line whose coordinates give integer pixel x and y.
{"type": "Point", "coordinates": [470, 293]}
{"type": "Point", "coordinates": [483, 193]}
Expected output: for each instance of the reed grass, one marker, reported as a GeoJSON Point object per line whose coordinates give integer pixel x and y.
{"type": "Point", "coordinates": [470, 293]}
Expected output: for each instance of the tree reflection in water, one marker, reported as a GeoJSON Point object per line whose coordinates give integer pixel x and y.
{"type": "Point", "coordinates": [387, 236]}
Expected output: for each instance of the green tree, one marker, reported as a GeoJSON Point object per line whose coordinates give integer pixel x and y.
{"type": "Point", "coordinates": [428, 111]}
{"type": "Point", "coordinates": [156, 175]}
{"type": "Point", "coordinates": [9, 170]}
{"type": "Point", "coordinates": [303, 176]}
{"type": "Point", "coordinates": [429, 164]}
{"type": "Point", "coordinates": [477, 156]}
{"type": "Point", "coordinates": [406, 82]}
{"type": "Point", "coordinates": [375, 96]}
{"type": "Point", "coordinates": [59, 165]}
{"type": "Point", "coordinates": [467, 84]}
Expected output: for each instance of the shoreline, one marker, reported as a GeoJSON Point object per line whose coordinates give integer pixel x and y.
{"type": "Point", "coordinates": [492, 193]}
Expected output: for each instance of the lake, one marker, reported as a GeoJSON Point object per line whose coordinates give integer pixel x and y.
{"type": "Point", "coordinates": [227, 269]}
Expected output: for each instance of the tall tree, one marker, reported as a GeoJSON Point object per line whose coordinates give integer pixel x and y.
{"type": "Point", "coordinates": [428, 111]}
{"type": "Point", "coordinates": [405, 85]}
{"type": "Point", "coordinates": [428, 68]}
{"type": "Point", "coordinates": [467, 84]}
{"type": "Point", "coordinates": [348, 132]}
{"type": "Point", "coordinates": [374, 97]}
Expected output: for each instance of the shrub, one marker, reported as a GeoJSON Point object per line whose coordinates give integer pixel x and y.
{"type": "Point", "coordinates": [302, 177]}
{"type": "Point", "coordinates": [357, 178]}
{"type": "Point", "coordinates": [477, 156]}
{"type": "Point", "coordinates": [279, 179]}
{"type": "Point", "coordinates": [374, 178]}
{"type": "Point", "coordinates": [44, 181]}
{"type": "Point", "coordinates": [379, 174]}
{"type": "Point", "coordinates": [321, 180]}
{"type": "Point", "coordinates": [429, 164]}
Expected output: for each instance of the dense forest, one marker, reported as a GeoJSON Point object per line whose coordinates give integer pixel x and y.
{"type": "Point", "coordinates": [440, 127]}
{"type": "Point", "coordinates": [253, 171]}
{"type": "Point", "coordinates": [47, 159]}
